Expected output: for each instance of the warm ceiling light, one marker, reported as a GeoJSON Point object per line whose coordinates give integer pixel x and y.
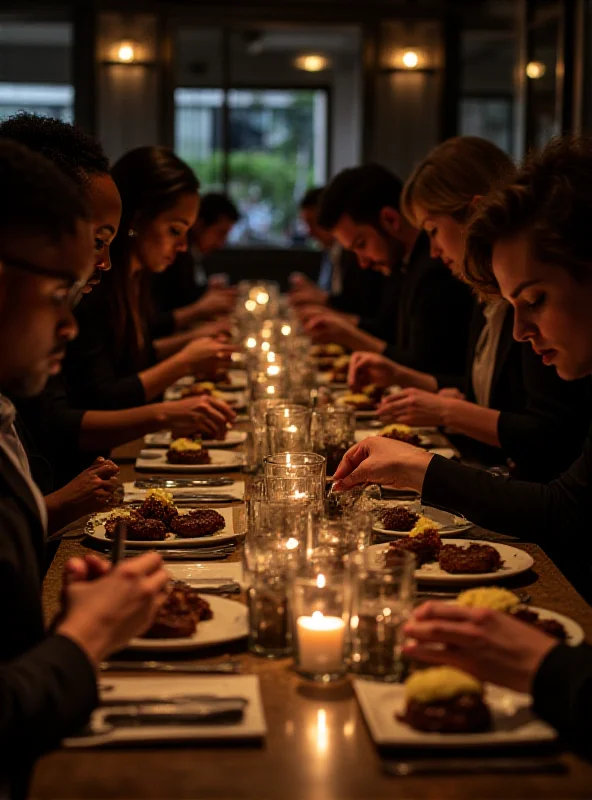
{"type": "Point", "coordinates": [126, 52]}
{"type": "Point", "coordinates": [410, 59]}
{"type": "Point", "coordinates": [312, 63]}
{"type": "Point", "coordinates": [535, 69]}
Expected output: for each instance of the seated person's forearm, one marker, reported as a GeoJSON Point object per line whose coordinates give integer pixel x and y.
{"type": "Point", "coordinates": [56, 518]}
{"type": "Point", "coordinates": [476, 421]}
{"type": "Point", "coordinates": [187, 315]}
{"type": "Point", "coordinates": [357, 339]}
{"type": "Point", "coordinates": [413, 378]}
{"type": "Point", "coordinates": [158, 378]}
{"type": "Point", "coordinates": [103, 430]}
{"type": "Point", "coordinates": [170, 345]}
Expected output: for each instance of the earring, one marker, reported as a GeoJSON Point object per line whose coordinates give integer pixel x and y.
{"type": "Point", "coordinates": [131, 233]}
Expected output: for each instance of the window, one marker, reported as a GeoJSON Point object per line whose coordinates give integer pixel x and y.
{"type": "Point", "coordinates": [489, 118]}
{"type": "Point", "coordinates": [277, 147]}
{"type": "Point", "coordinates": [37, 98]}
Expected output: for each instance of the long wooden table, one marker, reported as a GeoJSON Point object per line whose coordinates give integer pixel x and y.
{"type": "Point", "coordinates": [317, 747]}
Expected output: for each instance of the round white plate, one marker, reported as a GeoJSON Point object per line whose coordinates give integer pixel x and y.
{"type": "Point", "coordinates": [362, 434]}
{"type": "Point", "coordinates": [451, 525]}
{"type": "Point", "coordinates": [163, 439]}
{"type": "Point", "coordinates": [96, 530]}
{"type": "Point", "coordinates": [230, 621]}
{"type": "Point", "coordinates": [155, 461]}
{"type": "Point", "coordinates": [575, 633]}
{"type": "Point", "coordinates": [515, 562]}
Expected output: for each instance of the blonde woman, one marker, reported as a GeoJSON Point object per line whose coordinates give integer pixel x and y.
{"type": "Point", "coordinates": [517, 409]}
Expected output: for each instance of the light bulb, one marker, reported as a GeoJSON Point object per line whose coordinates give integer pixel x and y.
{"type": "Point", "coordinates": [126, 52]}
{"type": "Point", "coordinates": [535, 69]}
{"type": "Point", "coordinates": [312, 63]}
{"type": "Point", "coordinates": [410, 59]}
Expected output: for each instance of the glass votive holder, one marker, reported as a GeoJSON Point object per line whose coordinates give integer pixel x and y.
{"type": "Point", "coordinates": [332, 432]}
{"type": "Point", "coordinates": [346, 534]}
{"type": "Point", "coordinates": [267, 570]}
{"type": "Point", "coordinates": [294, 464]}
{"type": "Point", "coordinates": [381, 600]}
{"type": "Point", "coordinates": [319, 617]}
{"type": "Point", "coordinates": [299, 490]}
{"type": "Point", "coordinates": [288, 428]}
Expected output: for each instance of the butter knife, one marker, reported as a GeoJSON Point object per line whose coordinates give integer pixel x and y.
{"type": "Point", "coordinates": [165, 483]}
{"type": "Point", "coordinates": [474, 766]}
{"type": "Point", "coordinates": [222, 667]}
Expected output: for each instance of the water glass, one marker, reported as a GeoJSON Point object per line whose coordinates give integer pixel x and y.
{"type": "Point", "coordinates": [381, 599]}
{"type": "Point", "coordinates": [332, 433]}
{"type": "Point", "coordinates": [288, 429]}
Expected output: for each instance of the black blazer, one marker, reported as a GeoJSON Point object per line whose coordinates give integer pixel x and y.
{"type": "Point", "coordinates": [431, 315]}
{"type": "Point", "coordinates": [47, 684]}
{"type": "Point", "coordinates": [176, 286]}
{"type": "Point", "coordinates": [361, 289]}
{"type": "Point", "coordinates": [544, 420]}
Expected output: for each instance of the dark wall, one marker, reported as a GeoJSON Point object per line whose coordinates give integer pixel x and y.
{"type": "Point", "coordinates": [264, 263]}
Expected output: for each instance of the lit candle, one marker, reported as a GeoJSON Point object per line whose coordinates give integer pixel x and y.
{"type": "Point", "coordinates": [320, 643]}
{"type": "Point", "coordinates": [299, 495]}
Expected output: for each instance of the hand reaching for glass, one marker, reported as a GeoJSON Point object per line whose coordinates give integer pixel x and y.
{"type": "Point", "coordinates": [383, 461]}
{"type": "Point", "coordinates": [491, 645]}
{"type": "Point", "coordinates": [203, 414]}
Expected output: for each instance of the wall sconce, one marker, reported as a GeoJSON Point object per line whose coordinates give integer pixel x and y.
{"type": "Point", "coordinates": [312, 62]}
{"type": "Point", "coordinates": [126, 51]}
{"type": "Point", "coordinates": [535, 69]}
{"type": "Point", "coordinates": [410, 59]}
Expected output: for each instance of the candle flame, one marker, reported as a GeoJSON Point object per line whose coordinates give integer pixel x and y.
{"type": "Point", "coordinates": [299, 495]}
{"type": "Point", "coordinates": [318, 615]}
{"type": "Point", "coordinates": [251, 342]}
{"type": "Point", "coordinates": [286, 330]}
{"type": "Point", "coordinates": [292, 543]}
{"type": "Point", "coordinates": [265, 346]}
{"type": "Point", "coordinates": [262, 298]}
{"type": "Point", "coordinates": [250, 305]}
{"type": "Point", "coordinates": [321, 581]}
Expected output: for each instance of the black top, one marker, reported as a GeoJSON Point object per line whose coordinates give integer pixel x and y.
{"type": "Point", "coordinates": [361, 289]}
{"type": "Point", "coordinates": [176, 286]}
{"type": "Point", "coordinates": [544, 420]}
{"type": "Point", "coordinates": [430, 312]}
{"type": "Point", "coordinates": [47, 684]}
{"type": "Point", "coordinates": [100, 371]}
{"type": "Point", "coordinates": [556, 515]}
{"type": "Point", "coordinates": [562, 694]}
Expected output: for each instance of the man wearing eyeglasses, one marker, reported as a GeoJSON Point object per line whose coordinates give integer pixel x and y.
{"type": "Point", "coordinates": [48, 679]}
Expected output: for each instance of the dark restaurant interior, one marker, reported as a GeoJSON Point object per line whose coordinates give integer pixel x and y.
{"type": "Point", "coordinates": [295, 409]}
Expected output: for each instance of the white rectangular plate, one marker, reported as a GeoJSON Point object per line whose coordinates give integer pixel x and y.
{"type": "Point", "coordinates": [155, 461]}
{"type": "Point", "coordinates": [513, 721]}
{"type": "Point", "coordinates": [133, 495]}
{"type": "Point", "coordinates": [252, 725]}
{"type": "Point", "coordinates": [207, 573]}
{"type": "Point", "coordinates": [163, 439]}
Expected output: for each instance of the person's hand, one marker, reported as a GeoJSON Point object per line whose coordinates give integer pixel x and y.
{"type": "Point", "coordinates": [491, 645]}
{"type": "Point", "coordinates": [218, 327]}
{"type": "Point", "coordinates": [202, 414]}
{"type": "Point", "coordinates": [326, 328]}
{"type": "Point", "coordinates": [217, 300]}
{"type": "Point", "coordinates": [413, 407]}
{"type": "Point", "coordinates": [308, 294]}
{"type": "Point", "coordinates": [384, 461]}
{"type": "Point", "coordinates": [93, 490]}
{"type": "Point", "coordinates": [206, 355]}
{"type": "Point", "coordinates": [102, 615]}
{"type": "Point", "coordinates": [85, 568]}
{"type": "Point", "coordinates": [452, 394]}
{"type": "Point", "coordinates": [365, 368]}
{"type": "Point", "coordinates": [306, 312]}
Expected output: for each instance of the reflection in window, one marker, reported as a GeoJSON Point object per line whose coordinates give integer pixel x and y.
{"type": "Point", "coordinates": [48, 100]}
{"type": "Point", "coordinates": [489, 118]}
{"type": "Point", "coordinates": [278, 146]}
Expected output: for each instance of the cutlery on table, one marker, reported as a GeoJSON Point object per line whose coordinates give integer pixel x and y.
{"type": "Point", "coordinates": [198, 497]}
{"type": "Point", "coordinates": [474, 766]}
{"type": "Point", "coordinates": [221, 668]}
{"type": "Point", "coordinates": [176, 699]}
{"type": "Point", "coordinates": [222, 588]}
{"type": "Point", "coordinates": [172, 483]}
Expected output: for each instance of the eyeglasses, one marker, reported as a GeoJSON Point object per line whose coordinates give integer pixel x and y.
{"type": "Point", "coordinates": [70, 297]}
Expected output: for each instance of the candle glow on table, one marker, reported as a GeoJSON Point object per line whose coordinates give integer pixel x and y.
{"type": "Point", "coordinates": [320, 640]}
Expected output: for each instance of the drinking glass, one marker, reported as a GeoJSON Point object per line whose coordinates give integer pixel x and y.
{"type": "Point", "coordinates": [381, 597]}
{"type": "Point", "coordinates": [332, 433]}
{"type": "Point", "coordinates": [288, 428]}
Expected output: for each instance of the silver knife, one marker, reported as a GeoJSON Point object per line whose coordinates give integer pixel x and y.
{"type": "Point", "coordinates": [164, 483]}
{"type": "Point", "coordinates": [473, 766]}
{"type": "Point", "coordinates": [222, 667]}
{"type": "Point", "coordinates": [178, 699]}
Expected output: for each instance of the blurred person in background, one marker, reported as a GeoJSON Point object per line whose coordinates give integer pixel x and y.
{"type": "Point", "coordinates": [515, 410]}
{"type": "Point", "coordinates": [342, 285]}
{"type": "Point", "coordinates": [422, 316]}
{"type": "Point", "coordinates": [48, 681]}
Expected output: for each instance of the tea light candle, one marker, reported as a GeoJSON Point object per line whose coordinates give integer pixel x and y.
{"type": "Point", "coordinates": [320, 643]}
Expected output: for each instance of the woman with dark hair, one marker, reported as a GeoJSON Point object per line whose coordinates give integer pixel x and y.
{"type": "Point", "coordinates": [507, 405]}
{"type": "Point", "coordinates": [63, 436]}
{"type": "Point", "coordinates": [160, 202]}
